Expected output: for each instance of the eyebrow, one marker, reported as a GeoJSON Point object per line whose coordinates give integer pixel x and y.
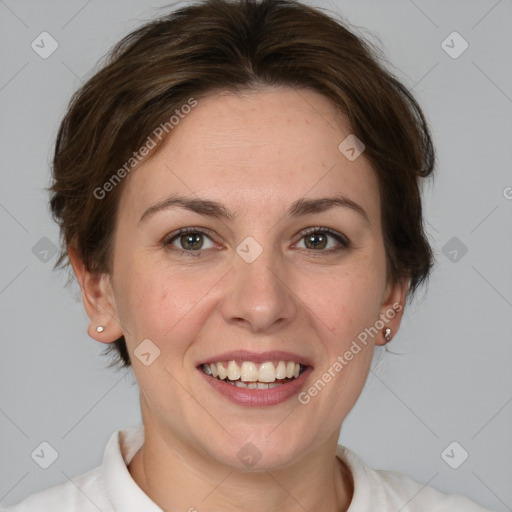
{"type": "Point", "coordinates": [210, 208]}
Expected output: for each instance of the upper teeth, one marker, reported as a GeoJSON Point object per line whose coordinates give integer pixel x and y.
{"type": "Point", "coordinates": [253, 372]}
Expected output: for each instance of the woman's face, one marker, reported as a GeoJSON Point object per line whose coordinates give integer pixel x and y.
{"type": "Point", "coordinates": [253, 282]}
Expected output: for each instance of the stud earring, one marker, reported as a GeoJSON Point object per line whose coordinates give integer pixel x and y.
{"type": "Point", "coordinates": [100, 328]}
{"type": "Point", "coordinates": [387, 334]}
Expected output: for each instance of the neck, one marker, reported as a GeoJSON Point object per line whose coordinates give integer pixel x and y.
{"type": "Point", "coordinates": [319, 481]}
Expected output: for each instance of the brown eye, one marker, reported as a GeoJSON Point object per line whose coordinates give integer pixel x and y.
{"type": "Point", "coordinates": [189, 240]}
{"type": "Point", "coordinates": [318, 240]}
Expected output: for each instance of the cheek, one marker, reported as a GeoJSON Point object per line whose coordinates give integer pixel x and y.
{"type": "Point", "coordinates": [141, 290]}
{"type": "Point", "coordinates": [347, 300]}
{"type": "Point", "coordinates": [156, 301]}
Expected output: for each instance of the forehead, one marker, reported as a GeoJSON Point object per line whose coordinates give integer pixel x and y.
{"type": "Point", "coordinates": [248, 150]}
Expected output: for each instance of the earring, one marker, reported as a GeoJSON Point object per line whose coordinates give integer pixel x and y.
{"type": "Point", "coordinates": [100, 328]}
{"type": "Point", "coordinates": [387, 334]}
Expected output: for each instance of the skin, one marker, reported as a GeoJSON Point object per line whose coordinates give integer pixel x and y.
{"type": "Point", "coordinates": [256, 153]}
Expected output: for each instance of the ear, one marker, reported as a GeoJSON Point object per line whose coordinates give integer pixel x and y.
{"type": "Point", "coordinates": [98, 299]}
{"type": "Point", "coordinates": [392, 308]}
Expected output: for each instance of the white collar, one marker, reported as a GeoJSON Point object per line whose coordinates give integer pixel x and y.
{"type": "Point", "coordinates": [127, 496]}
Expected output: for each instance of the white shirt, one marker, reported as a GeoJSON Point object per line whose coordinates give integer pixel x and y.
{"type": "Point", "coordinates": [110, 487]}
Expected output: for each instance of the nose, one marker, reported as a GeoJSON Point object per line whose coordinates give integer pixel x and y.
{"type": "Point", "coordinates": [260, 296]}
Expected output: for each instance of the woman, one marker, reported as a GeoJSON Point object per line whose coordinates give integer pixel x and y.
{"type": "Point", "coordinates": [238, 191]}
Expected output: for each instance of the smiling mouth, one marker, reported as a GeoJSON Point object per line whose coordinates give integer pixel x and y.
{"type": "Point", "coordinates": [249, 375]}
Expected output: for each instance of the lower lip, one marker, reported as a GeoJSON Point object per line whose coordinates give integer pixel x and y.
{"type": "Point", "coordinates": [258, 397]}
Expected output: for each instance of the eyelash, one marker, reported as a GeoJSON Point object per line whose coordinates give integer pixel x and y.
{"type": "Point", "coordinates": [345, 242]}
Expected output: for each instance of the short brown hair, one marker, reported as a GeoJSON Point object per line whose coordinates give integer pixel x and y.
{"type": "Point", "coordinates": [235, 45]}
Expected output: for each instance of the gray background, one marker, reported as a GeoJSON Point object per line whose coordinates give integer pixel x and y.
{"type": "Point", "coordinates": [447, 377]}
